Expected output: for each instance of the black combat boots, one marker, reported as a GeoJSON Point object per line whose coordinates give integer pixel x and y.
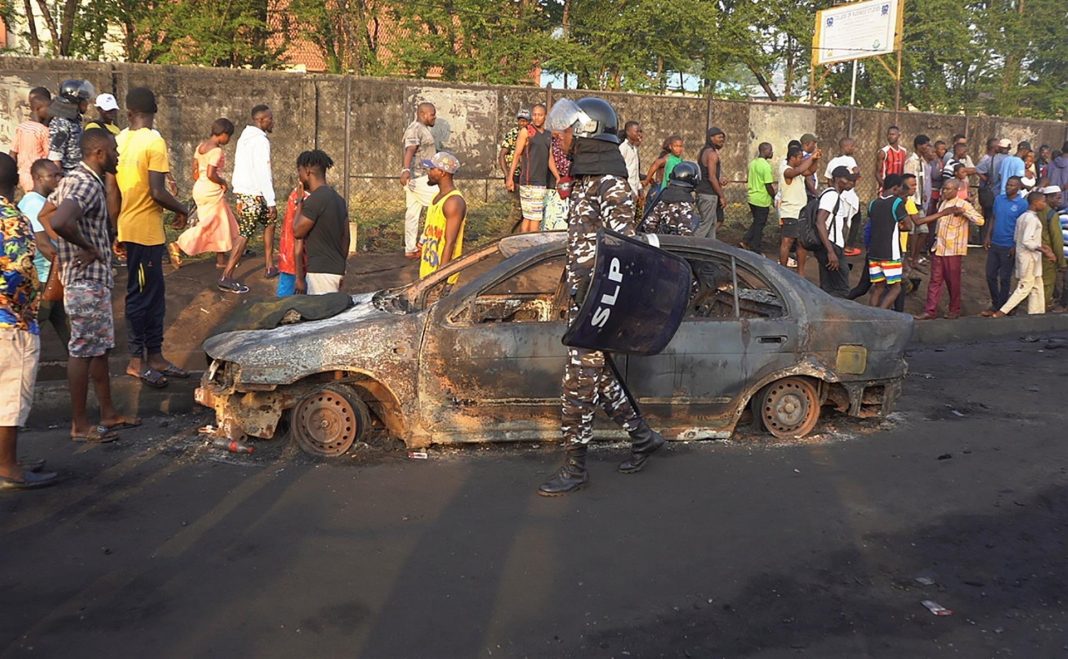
{"type": "Point", "coordinates": [571, 477]}
{"type": "Point", "coordinates": [644, 442]}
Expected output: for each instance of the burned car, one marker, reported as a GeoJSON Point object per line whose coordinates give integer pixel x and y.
{"type": "Point", "coordinates": [482, 360]}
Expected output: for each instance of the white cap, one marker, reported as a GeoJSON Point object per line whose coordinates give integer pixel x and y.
{"type": "Point", "coordinates": [1005, 143]}
{"type": "Point", "coordinates": [106, 102]}
{"type": "Point", "coordinates": [1050, 189]}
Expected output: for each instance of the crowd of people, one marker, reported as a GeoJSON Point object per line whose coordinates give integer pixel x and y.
{"type": "Point", "coordinates": [79, 196]}
{"type": "Point", "coordinates": [930, 205]}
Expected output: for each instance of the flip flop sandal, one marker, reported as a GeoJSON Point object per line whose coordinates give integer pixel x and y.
{"type": "Point", "coordinates": [152, 378]}
{"type": "Point", "coordinates": [125, 424]}
{"type": "Point", "coordinates": [30, 480]}
{"type": "Point", "coordinates": [97, 435]}
{"type": "Point", "coordinates": [271, 272]}
{"type": "Point", "coordinates": [173, 371]}
{"type": "Point", "coordinates": [32, 465]}
{"type": "Point", "coordinates": [233, 287]}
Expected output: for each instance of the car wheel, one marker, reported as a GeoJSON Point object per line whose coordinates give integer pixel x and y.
{"type": "Point", "coordinates": [790, 408]}
{"type": "Point", "coordinates": [328, 421]}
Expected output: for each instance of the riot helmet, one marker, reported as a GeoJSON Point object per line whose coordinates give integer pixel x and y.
{"type": "Point", "coordinates": [77, 91]}
{"type": "Point", "coordinates": [685, 175]}
{"type": "Point", "coordinates": [591, 118]}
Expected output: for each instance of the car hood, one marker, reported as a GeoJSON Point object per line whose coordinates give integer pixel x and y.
{"type": "Point", "coordinates": [287, 353]}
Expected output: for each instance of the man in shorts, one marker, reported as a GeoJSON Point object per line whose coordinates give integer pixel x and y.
{"type": "Point", "coordinates": [253, 184]}
{"type": "Point", "coordinates": [888, 216]}
{"type": "Point", "coordinates": [20, 343]}
{"type": "Point", "coordinates": [83, 257]}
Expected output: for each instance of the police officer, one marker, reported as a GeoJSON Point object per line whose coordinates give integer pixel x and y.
{"type": "Point", "coordinates": [65, 129]}
{"type": "Point", "coordinates": [675, 212]}
{"type": "Point", "coordinates": [601, 198]}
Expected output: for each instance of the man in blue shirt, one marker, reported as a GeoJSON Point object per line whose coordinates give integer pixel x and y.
{"type": "Point", "coordinates": [1013, 165]}
{"type": "Point", "coordinates": [46, 175]}
{"type": "Point", "coordinates": [1001, 240]}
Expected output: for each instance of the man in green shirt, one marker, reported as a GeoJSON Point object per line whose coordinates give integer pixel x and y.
{"type": "Point", "coordinates": [760, 193]}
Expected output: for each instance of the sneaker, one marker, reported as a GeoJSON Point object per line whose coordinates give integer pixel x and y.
{"type": "Point", "coordinates": [851, 251]}
{"type": "Point", "coordinates": [791, 262]}
{"type": "Point", "coordinates": [234, 287]}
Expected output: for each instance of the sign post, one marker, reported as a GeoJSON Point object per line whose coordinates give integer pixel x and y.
{"type": "Point", "coordinates": [846, 33]}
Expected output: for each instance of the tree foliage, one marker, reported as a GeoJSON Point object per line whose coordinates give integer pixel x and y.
{"type": "Point", "coordinates": [995, 56]}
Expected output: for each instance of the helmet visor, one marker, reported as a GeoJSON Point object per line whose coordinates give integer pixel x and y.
{"type": "Point", "coordinates": [565, 114]}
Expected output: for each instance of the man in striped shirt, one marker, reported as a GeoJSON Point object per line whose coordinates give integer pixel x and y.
{"type": "Point", "coordinates": [891, 158]}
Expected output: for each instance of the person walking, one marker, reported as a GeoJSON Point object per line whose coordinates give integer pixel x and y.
{"type": "Point", "coordinates": [845, 158]}
{"type": "Point", "coordinates": [321, 229]}
{"type": "Point", "coordinates": [107, 111]}
{"type": "Point", "coordinates": [793, 198]}
{"type": "Point", "coordinates": [951, 246]}
{"type": "Point", "coordinates": [142, 180]}
{"type": "Point", "coordinates": [711, 203]}
{"type": "Point", "coordinates": [601, 200]}
{"type": "Point", "coordinates": [532, 157]}
{"type": "Point", "coordinates": [46, 177]}
{"type": "Point", "coordinates": [504, 161]}
{"type": "Point", "coordinates": [632, 139]}
{"type": "Point", "coordinates": [1029, 254]}
{"type": "Point", "coordinates": [832, 222]}
{"type": "Point", "coordinates": [419, 144]}
{"type": "Point", "coordinates": [20, 347]}
{"type": "Point", "coordinates": [65, 128]}
{"type": "Point", "coordinates": [1052, 237]}
{"type": "Point", "coordinates": [891, 158]}
{"type": "Point", "coordinates": [1000, 243]}
{"type": "Point", "coordinates": [443, 236]}
{"type": "Point", "coordinates": [216, 229]}
{"type": "Point", "coordinates": [760, 191]}
{"type": "Point", "coordinates": [253, 184]}
{"type": "Point", "coordinates": [31, 142]}
{"type": "Point", "coordinates": [84, 258]}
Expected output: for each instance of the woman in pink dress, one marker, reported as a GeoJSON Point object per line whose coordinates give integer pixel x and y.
{"type": "Point", "coordinates": [216, 229]}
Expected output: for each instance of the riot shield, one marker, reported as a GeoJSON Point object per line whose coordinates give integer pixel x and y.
{"type": "Point", "coordinates": [636, 298]}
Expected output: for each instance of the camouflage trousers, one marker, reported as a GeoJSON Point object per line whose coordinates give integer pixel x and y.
{"type": "Point", "coordinates": [590, 383]}
{"type": "Point", "coordinates": [671, 218]}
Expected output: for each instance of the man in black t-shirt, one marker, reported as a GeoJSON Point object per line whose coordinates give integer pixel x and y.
{"type": "Point", "coordinates": [321, 229]}
{"type": "Point", "coordinates": [887, 216]}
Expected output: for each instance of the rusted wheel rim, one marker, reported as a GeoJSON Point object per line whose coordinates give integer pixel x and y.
{"type": "Point", "coordinates": [790, 408]}
{"type": "Point", "coordinates": [326, 423]}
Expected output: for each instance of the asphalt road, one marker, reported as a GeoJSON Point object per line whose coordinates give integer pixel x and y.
{"type": "Point", "coordinates": [157, 546]}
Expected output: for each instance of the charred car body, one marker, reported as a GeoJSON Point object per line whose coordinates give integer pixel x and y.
{"type": "Point", "coordinates": [482, 360]}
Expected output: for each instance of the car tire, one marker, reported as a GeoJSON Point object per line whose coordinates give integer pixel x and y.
{"type": "Point", "coordinates": [328, 421]}
{"type": "Point", "coordinates": [789, 408]}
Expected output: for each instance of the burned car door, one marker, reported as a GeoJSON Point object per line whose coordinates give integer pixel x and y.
{"type": "Point", "coordinates": [770, 332]}
{"type": "Point", "coordinates": [493, 360]}
{"type": "Point", "coordinates": [699, 376]}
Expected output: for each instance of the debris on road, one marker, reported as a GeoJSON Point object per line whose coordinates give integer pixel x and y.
{"type": "Point", "coordinates": [232, 446]}
{"type": "Point", "coordinates": [925, 581]}
{"type": "Point", "coordinates": [945, 456]}
{"type": "Point", "coordinates": [418, 455]}
{"type": "Point", "coordinates": [936, 608]}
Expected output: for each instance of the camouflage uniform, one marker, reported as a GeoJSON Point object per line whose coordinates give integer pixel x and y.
{"type": "Point", "coordinates": [672, 218]}
{"type": "Point", "coordinates": [597, 202]}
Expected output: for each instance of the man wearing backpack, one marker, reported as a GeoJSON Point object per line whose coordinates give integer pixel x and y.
{"type": "Point", "coordinates": [793, 199]}
{"type": "Point", "coordinates": [831, 221]}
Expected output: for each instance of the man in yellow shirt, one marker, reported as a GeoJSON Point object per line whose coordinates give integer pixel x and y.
{"type": "Point", "coordinates": [443, 233]}
{"type": "Point", "coordinates": [142, 181]}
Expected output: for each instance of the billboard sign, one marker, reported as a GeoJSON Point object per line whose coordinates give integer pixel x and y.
{"type": "Point", "coordinates": [857, 30]}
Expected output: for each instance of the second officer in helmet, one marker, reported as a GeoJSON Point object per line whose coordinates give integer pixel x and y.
{"type": "Point", "coordinates": [675, 212]}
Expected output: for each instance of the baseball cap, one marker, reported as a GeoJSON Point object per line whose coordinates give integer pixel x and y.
{"type": "Point", "coordinates": [523, 114]}
{"type": "Point", "coordinates": [1050, 189]}
{"type": "Point", "coordinates": [713, 131]}
{"type": "Point", "coordinates": [1005, 143]}
{"type": "Point", "coordinates": [842, 171]}
{"type": "Point", "coordinates": [106, 102]}
{"type": "Point", "coordinates": [808, 137]}
{"type": "Point", "coordinates": [444, 161]}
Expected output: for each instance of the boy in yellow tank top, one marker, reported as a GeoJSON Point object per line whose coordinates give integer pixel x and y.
{"type": "Point", "coordinates": [443, 232]}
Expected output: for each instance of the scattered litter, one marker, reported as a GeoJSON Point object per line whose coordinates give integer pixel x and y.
{"type": "Point", "coordinates": [232, 446]}
{"type": "Point", "coordinates": [925, 581]}
{"type": "Point", "coordinates": [945, 456]}
{"type": "Point", "coordinates": [203, 309]}
{"type": "Point", "coordinates": [418, 455]}
{"type": "Point", "coordinates": [1029, 339]}
{"type": "Point", "coordinates": [936, 608]}
{"type": "Point", "coordinates": [1033, 389]}
{"type": "Point", "coordinates": [797, 471]}
{"type": "Point", "coordinates": [206, 430]}
{"type": "Point", "coordinates": [958, 413]}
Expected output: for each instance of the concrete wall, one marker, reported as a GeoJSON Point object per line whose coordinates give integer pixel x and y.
{"type": "Point", "coordinates": [359, 121]}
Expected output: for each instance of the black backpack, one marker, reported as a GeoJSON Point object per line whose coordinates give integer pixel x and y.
{"type": "Point", "coordinates": [807, 233]}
